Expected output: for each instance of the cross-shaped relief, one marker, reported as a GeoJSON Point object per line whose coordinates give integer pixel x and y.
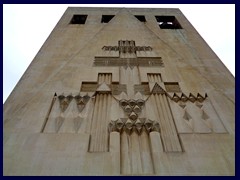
{"type": "Point", "coordinates": [134, 109]}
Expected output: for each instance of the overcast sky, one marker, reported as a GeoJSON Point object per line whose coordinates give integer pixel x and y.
{"type": "Point", "coordinates": [26, 27]}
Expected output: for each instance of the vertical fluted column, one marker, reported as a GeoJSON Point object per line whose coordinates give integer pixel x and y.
{"type": "Point", "coordinates": [146, 159]}
{"type": "Point", "coordinates": [135, 154]}
{"type": "Point", "coordinates": [114, 148]}
{"type": "Point", "coordinates": [157, 152]}
{"type": "Point", "coordinates": [176, 143]}
{"type": "Point", "coordinates": [100, 119]}
{"type": "Point", "coordinates": [125, 154]}
{"type": "Point", "coordinates": [94, 128]}
{"type": "Point", "coordinates": [169, 135]}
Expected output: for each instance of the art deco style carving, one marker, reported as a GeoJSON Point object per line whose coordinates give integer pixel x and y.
{"type": "Point", "coordinates": [197, 117]}
{"type": "Point", "coordinates": [140, 61]}
{"type": "Point", "coordinates": [132, 107]}
{"type": "Point", "coordinates": [127, 47]}
{"type": "Point", "coordinates": [154, 77]}
{"type": "Point", "coordinates": [81, 101]}
{"type": "Point", "coordinates": [157, 89]}
{"type": "Point", "coordinates": [127, 56]}
{"type": "Point", "coordinates": [130, 49]}
{"type": "Point", "coordinates": [64, 101]}
{"type": "Point", "coordinates": [130, 125]}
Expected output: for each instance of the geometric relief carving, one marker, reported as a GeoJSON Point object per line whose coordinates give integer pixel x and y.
{"type": "Point", "coordinates": [188, 119]}
{"type": "Point", "coordinates": [200, 116]}
{"type": "Point", "coordinates": [65, 116]}
{"type": "Point", "coordinates": [127, 56]}
{"type": "Point", "coordinates": [157, 89]}
{"type": "Point", "coordinates": [64, 101]}
{"type": "Point", "coordinates": [59, 121]}
{"type": "Point", "coordinates": [132, 107]}
{"type": "Point", "coordinates": [140, 61]}
{"type": "Point", "coordinates": [127, 47]}
{"type": "Point", "coordinates": [81, 101]}
{"type": "Point", "coordinates": [130, 126]}
{"type": "Point", "coordinates": [77, 123]}
{"type": "Point", "coordinates": [169, 136]}
{"type": "Point", "coordinates": [154, 77]}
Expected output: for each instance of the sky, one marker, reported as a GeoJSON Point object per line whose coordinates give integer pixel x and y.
{"type": "Point", "coordinates": [26, 27]}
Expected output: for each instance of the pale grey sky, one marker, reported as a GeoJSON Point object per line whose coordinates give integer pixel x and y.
{"type": "Point", "coordinates": [26, 27]}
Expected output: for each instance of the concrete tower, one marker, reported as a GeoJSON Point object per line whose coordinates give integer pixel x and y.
{"type": "Point", "coordinates": [116, 91]}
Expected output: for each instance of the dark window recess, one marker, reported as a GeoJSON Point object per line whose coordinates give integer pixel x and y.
{"type": "Point", "coordinates": [78, 19]}
{"type": "Point", "coordinates": [106, 18]}
{"type": "Point", "coordinates": [141, 18]}
{"type": "Point", "coordinates": [168, 22]}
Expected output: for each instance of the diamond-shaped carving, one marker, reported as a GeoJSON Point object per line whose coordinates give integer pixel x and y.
{"type": "Point", "coordinates": [175, 97]}
{"type": "Point", "coordinates": [184, 98]}
{"type": "Point", "coordinates": [133, 116]}
{"type": "Point", "coordinates": [192, 98]}
{"type": "Point", "coordinates": [137, 109]}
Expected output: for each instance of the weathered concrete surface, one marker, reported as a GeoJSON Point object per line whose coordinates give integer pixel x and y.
{"type": "Point", "coordinates": [34, 146]}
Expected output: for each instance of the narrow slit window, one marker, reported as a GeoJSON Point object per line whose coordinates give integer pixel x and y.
{"type": "Point", "coordinates": [78, 19]}
{"type": "Point", "coordinates": [141, 18]}
{"type": "Point", "coordinates": [168, 22]}
{"type": "Point", "coordinates": [106, 18]}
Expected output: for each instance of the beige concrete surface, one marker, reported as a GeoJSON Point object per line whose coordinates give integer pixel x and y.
{"type": "Point", "coordinates": [121, 98]}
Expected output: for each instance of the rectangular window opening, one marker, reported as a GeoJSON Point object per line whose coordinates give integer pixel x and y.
{"type": "Point", "coordinates": [78, 19]}
{"type": "Point", "coordinates": [106, 18]}
{"type": "Point", "coordinates": [141, 18]}
{"type": "Point", "coordinates": [168, 22]}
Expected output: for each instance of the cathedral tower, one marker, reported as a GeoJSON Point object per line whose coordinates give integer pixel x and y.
{"type": "Point", "coordinates": [118, 91]}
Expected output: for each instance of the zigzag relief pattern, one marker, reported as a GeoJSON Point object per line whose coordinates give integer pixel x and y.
{"type": "Point", "coordinates": [197, 117]}
{"type": "Point", "coordinates": [129, 126]}
{"type": "Point", "coordinates": [66, 100]}
{"type": "Point", "coordinates": [67, 115]}
{"type": "Point", "coordinates": [159, 88]}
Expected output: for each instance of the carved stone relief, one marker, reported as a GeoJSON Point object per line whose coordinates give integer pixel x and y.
{"type": "Point", "coordinates": [67, 115]}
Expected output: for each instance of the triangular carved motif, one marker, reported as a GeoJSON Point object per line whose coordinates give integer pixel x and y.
{"type": "Point", "coordinates": [188, 119]}
{"type": "Point", "coordinates": [64, 101]}
{"type": "Point", "coordinates": [199, 104]}
{"type": "Point", "coordinates": [204, 115]}
{"type": "Point", "coordinates": [184, 98]}
{"type": "Point", "coordinates": [192, 98]}
{"type": "Point", "coordinates": [182, 104]}
{"type": "Point", "coordinates": [207, 121]}
{"type": "Point", "coordinates": [103, 88]}
{"type": "Point", "coordinates": [58, 123]}
{"type": "Point", "coordinates": [157, 89]}
{"type": "Point", "coordinates": [175, 97]}
{"type": "Point", "coordinates": [77, 123]}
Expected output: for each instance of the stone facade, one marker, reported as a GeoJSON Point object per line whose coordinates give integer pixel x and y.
{"type": "Point", "coordinates": [117, 91]}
